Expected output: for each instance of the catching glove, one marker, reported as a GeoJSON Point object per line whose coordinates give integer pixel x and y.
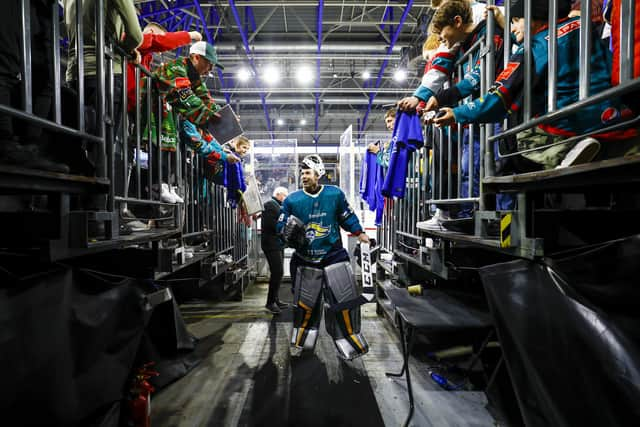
{"type": "Point", "coordinates": [293, 233]}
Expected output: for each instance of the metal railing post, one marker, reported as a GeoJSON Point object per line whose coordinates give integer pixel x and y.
{"type": "Point", "coordinates": [25, 45]}
{"type": "Point", "coordinates": [150, 155]}
{"type": "Point", "coordinates": [470, 133]}
{"type": "Point", "coordinates": [110, 130]}
{"type": "Point", "coordinates": [627, 36]}
{"type": "Point", "coordinates": [585, 49]}
{"type": "Point", "coordinates": [440, 162]}
{"type": "Point", "coordinates": [553, 57]}
{"type": "Point", "coordinates": [124, 134]}
{"type": "Point", "coordinates": [55, 55]}
{"type": "Point", "coordinates": [138, 131]}
{"type": "Point", "coordinates": [490, 67]}
{"type": "Point", "coordinates": [528, 64]}
{"type": "Point", "coordinates": [158, 147]}
{"type": "Point", "coordinates": [100, 96]}
{"type": "Point", "coordinates": [79, 46]}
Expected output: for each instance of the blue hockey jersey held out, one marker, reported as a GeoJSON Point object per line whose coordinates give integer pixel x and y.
{"type": "Point", "coordinates": [235, 183]}
{"type": "Point", "coordinates": [368, 179]}
{"type": "Point", "coordinates": [232, 177]}
{"type": "Point", "coordinates": [323, 214]}
{"type": "Point", "coordinates": [407, 138]}
{"type": "Point", "coordinates": [371, 179]}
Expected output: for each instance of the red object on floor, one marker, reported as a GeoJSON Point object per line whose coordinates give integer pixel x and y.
{"type": "Point", "coordinates": [140, 403]}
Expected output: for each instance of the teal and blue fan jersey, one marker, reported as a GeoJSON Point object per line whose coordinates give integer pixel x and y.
{"type": "Point", "coordinates": [323, 214]}
{"type": "Point", "coordinates": [506, 95]}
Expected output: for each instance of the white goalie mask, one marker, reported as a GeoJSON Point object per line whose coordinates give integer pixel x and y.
{"type": "Point", "coordinates": [314, 162]}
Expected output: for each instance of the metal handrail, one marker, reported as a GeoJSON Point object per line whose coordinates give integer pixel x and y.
{"type": "Point", "coordinates": [613, 92]}
{"type": "Point", "coordinates": [623, 125]}
{"type": "Point", "coordinates": [48, 124]}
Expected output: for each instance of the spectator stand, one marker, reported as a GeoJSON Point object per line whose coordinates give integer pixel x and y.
{"type": "Point", "coordinates": [555, 210]}
{"type": "Point", "coordinates": [88, 211]}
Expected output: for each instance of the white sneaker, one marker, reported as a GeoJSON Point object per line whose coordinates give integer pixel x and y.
{"type": "Point", "coordinates": [165, 194]}
{"type": "Point", "coordinates": [137, 225]}
{"type": "Point", "coordinates": [583, 152]}
{"type": "Point", "coordinates": [435, 223]}
{"type": "Point", "coordinates": [175, 195]}
{"type": "Point", "coordinates": [127, 214]}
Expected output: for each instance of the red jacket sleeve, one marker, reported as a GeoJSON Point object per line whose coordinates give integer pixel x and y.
{"type": "Point", "coordinates": [169, 41]}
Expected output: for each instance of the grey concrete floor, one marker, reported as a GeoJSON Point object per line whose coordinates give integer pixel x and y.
{"type": "Point", "coordinates": [248, 378]}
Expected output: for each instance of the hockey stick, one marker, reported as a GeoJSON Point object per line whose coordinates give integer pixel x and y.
{"type": "Point", "coordinates": [368, 272]}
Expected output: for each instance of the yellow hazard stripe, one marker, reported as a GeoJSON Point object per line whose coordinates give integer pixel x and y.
{"type": "Point", "coordinates": [229, 316]}
{"type": "Point", "coordinates": [505, 231]}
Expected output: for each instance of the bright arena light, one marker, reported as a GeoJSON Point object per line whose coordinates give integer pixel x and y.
{"type": "Point", "coordinates": [400, 75]}
{"type": "Point", "coordinates": [303, 122]}
{"type": "Point", "coordinates": [280, 122]}
{"type": "Point", "coordinates": [244, 75]}
{"type": "Point", "coordinates": [366, 75]}
{"type": "Point", "coordinates": [304, 75]}
{"type": "Point", "coordinates": [271, 74]}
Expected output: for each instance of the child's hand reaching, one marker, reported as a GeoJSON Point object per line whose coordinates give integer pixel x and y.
{"type": "Point", "coordinates": [497, 13]}
{"type": "Point", "coordinates": [231, 158]}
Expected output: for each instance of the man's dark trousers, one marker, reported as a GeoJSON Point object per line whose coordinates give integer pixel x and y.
{"type": "Point", "coordinates": [275, 258]}
{"type": "Point", "coordinates": [272, 248]}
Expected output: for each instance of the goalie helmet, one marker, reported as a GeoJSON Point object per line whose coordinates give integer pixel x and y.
{"type": "Point", "coordinates": [313, 162]}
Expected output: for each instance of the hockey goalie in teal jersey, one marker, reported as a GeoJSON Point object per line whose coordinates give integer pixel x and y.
{"type": "Point", "coordinates": [310, 221]}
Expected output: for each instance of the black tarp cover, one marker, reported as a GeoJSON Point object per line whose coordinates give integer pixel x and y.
{"type": "Point", "coordinates": [68, 341]}
{"type": "Point", "coordinates": [569, 328]}
{"type": "Point", "coordinates": [168, 343]}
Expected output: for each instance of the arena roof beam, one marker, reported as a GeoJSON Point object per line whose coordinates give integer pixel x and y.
{"type": "Point", "coordinates": [210, 39]}
{"type": "Point", "coordinates": [318, 53]}
{"type": "Point", "coordinates": [396, 34]}
{"type": "Point", "coordinates": [247, 48]}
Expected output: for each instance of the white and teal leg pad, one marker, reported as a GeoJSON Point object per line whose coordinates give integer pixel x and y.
{"type": "Point", "coordinates": [342, 316]}
{"type": "Point", "coordinates": [307, 307]}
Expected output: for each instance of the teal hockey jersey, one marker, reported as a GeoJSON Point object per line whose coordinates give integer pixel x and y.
{"type": "Point", "coordinates": [323, 214]}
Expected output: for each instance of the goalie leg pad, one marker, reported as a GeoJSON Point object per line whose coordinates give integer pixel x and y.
{"type": "Point", "coordinates": [343, 325]}
{"type": "Point", "coordinates": [307, 307]}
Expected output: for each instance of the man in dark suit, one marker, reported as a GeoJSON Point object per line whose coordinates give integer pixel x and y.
{"type": "Point", "coordinates": [273, 249]}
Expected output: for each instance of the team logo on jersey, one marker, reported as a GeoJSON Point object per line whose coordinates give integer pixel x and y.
{"type": "Point", "coordinates": [508, 71]}
{"type": "Point", "coordinates": [566, 29]}
{"type": "Point", "coordinates": [185, 93]}
{"type": "Point", "coordinates": [315, 230]}
{"type": "Point", "coordinates": [471, 79]}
